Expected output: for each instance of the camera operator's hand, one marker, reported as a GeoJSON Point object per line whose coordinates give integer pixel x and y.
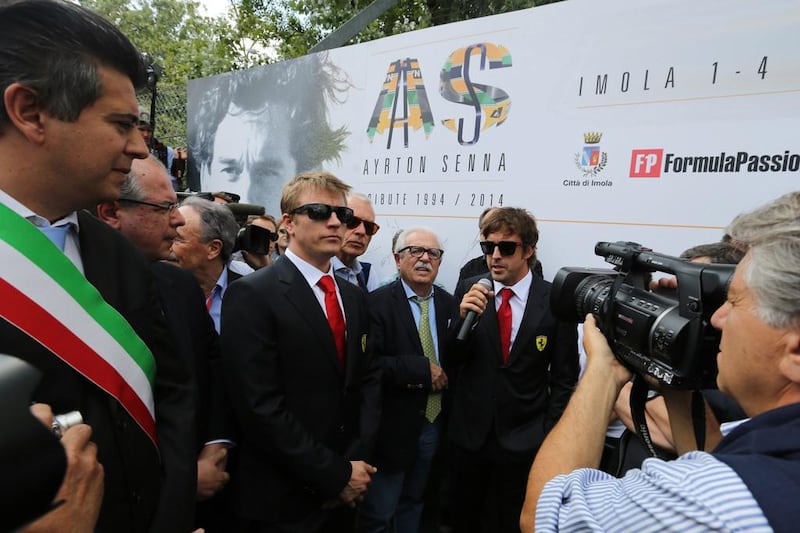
{"type": "Point", "coordinates": [668, 283]}
{"type": "Point", "coordinates": [475, 300]}
{"type": "Point", "coordinates": [599, 356]}
{"type": "Point", "coordinates": [82, 488]}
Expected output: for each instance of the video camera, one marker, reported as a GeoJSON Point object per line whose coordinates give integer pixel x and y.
{"type": "Point", "coordinates": [254, 239]}
{"type": "Point", "coordinates": [664, 335]}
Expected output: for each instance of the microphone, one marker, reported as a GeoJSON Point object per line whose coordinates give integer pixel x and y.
{"type": "Point", "coordinates": [472, 315]}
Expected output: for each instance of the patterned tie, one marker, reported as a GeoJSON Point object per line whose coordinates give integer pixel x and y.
{"type": "Point", "coordinates": [504, 322]}
{"type": "Point", "coordinates": [434, 405]}
{"type": "Point", "coordinates": [335, 316]}
{"type": "Point", "coordinates": [57, 234]}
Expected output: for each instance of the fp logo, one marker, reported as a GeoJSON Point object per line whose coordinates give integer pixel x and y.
{"type": "Point", "coordinates": [646, 163]}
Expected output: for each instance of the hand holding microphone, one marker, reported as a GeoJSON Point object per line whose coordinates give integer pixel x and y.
{"type": "Point", "coordinates": [473, 305]}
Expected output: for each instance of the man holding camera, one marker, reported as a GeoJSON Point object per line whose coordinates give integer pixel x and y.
{"type": "Point", "coordinates": [749, 482]}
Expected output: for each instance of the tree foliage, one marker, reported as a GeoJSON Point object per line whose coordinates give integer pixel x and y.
{"type": "Point", "coordinates": [188, 45]}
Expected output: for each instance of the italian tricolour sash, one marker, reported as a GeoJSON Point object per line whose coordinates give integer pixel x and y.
{"type": "Point", "coordinates": [43, 294]}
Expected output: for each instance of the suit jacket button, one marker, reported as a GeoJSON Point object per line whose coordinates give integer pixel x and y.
{"type": "Point", "coordinates": [122, 424]}
{"type": "Point", "coordinates": [341, 428]}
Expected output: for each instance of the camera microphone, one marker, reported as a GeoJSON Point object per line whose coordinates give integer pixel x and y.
{"type": "Point", "coordinates": [472, 315]}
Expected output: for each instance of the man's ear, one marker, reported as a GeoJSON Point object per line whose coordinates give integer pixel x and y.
{"type": "Point", "coordinates": [287, 221]}
{"type": "Point", "coordinates": [24, 110]}
{"type": "Point", "coordinates": [214, 248]}
{"type": "Point", "coordinates": [791, 366]}
{"type": "Point", "coordinates": [528, 252]}
{"type": "Point", "coordinates": [108, 212]}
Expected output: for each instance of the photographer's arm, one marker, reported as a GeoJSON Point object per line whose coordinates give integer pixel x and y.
{"type": "Point", "coordinates": [577, 439]}
{"type": "Point", "coordinates": [679, 407]}
{"type": "Point", "coordinates": [655, 411]}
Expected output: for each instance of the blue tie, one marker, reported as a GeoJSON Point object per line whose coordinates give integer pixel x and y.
{"type": "Point", "coordinates": [57, 234]}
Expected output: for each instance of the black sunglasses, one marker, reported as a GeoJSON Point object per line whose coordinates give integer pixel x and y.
{"type": "Point", "coordinates": [166, 206]}
{"type": "Point", "coordinates": [323, 212]}
{"type": "Point", "coordinates": [370, 228]}
{"type": "Point", "coordinates": [417, 251]}
{"type": "Point", "coordinates": [506, 247]}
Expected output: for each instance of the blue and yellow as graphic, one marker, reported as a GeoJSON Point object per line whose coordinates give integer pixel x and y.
{"type": "Point", "coordinates": [404, 87]}
{"type": "Point", "coordinates": [491, 104]}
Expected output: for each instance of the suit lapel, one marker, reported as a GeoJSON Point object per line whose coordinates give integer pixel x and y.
{"type": "Point", "coordinates": [97, 254]}
{"type": "Point", "coordinates": [534, 311]}
{"type": "Point", "coordinates": [489, 322]}
{"type": "Point", "coordinates": [300, 296]}
{"type": "Point", "coordinates": [442, 316]}
{"type": "Point", "coordinates": [406, 317]}
{"type": "Point", "coordinates": [355, 344]}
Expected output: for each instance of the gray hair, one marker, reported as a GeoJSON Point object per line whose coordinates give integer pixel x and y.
{"type": "Point", "coordinates": [400, 243]}
{"type": "Point", "coordinates": [752, 226]}
{"type": "Point", "coordinates": [773, 275]}
{"type": "Point", "coordinates": [359, 196]}
{"type": "Point", "coordinates": [132, 187]}
{"type": "Point", "coordinates": [217, 222]}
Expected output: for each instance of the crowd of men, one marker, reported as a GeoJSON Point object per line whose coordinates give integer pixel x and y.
{"type": "Point", "coordinates": [299, 394]}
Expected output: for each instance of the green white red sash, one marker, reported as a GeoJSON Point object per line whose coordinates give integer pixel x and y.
{"type": "Point", "coordinates": [43, 294]}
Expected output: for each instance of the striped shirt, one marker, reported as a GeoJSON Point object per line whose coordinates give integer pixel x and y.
{"type": "Point", "coordinates": [696, 492]}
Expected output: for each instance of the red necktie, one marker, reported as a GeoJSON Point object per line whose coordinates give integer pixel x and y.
{"type": "Point", "coordinates": [335, 316]}
{"type": "Point", "coordinates": [504, 322]}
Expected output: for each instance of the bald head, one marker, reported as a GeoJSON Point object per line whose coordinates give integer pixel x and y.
{"type": "Point", "coordinates": [145, 213]}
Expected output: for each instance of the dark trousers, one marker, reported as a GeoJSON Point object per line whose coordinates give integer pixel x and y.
{"type": "Point", "coordinates": [338, 520]}
{"type": "Point", "coordinates": [488, 488]}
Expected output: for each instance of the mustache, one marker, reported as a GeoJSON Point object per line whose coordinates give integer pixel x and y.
{"type": "Point", "coordinates": [423, 266]}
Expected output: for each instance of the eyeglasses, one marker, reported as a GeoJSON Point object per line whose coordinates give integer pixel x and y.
{"type": "Point", "coordinates": [417, 251]}
{"type": "Point", "coordinates": [370, 228]}
{"type": "Point", "coordinates": [506, 247]}
{"type": "Point", "coordinates": [164, 206]}
{"type": "Point", "coordinates": [323, 212]}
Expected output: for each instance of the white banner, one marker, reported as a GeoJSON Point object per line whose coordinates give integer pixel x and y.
{"type": "Point", "coordinates": [654, 121]}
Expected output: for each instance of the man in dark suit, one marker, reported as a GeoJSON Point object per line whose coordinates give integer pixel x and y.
{"type": "Point", "coordinates": [204, 246]}
{"type": "Point", "coordinates": [359, 234]}
{"type": "Point", "coordinates": [408, 330]}
{"type": "Point", "coordinates": [67, 138]}
{"type": "Point", "coordinates": [304, 392]}
{"type": "Point", "coordinates": [516, 372]}
{"type": "Point", "coordinates": [147, 214]}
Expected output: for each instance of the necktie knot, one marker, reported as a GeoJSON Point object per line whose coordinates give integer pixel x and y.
{"type": "Point", "coordinates": [422, 302]}
{"type": "Point", "coordinates": [506, 294]}
{"type": "Point", "coordinates": [326, 283]}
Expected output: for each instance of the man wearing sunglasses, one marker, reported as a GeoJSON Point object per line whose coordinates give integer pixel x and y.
{"type": "Point", "coordinates": [356, 241]}
{"type": "Point", "coordinates": [516, 372]}
{"type": "Point", "coordinates": [306, 397]}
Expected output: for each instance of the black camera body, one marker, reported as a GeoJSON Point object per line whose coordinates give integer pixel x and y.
{"type": "Point", "coordinates": [663, 334]}
{"type": "Point", "coordinates": [254, 239]}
